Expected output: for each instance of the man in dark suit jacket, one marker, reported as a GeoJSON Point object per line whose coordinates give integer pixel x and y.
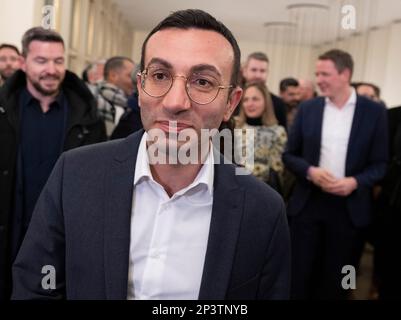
{"type": "Point", "coordinates": [338, 150]}
{"type": "Point", "coordinates": [112, 223]}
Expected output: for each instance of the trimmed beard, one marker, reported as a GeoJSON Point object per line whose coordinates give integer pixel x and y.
{"type": "Point", "coordinates": [42, 90]}
{"type": "Point", "coordinates": [4, 76]}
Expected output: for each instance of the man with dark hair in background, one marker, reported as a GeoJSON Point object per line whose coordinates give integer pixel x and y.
{"type": "Point", "coordinates": [112, 93]}
{"type": "Point", "coordinates": [116, 224]}
{"type": "Point", "coordinates": [290, 93]}
{"type": "Point", "coordinates": [10, 61]}
{"type": "Point", "coordinates": [130, 121]}
{"type": "Point", "coordinates": [338, 150]}
{"type": "Point", "coordinates": [256, 69]}
{"type": "Point", "coordinates": [45, 110]}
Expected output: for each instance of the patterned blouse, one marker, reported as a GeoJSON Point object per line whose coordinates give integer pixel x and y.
{"type": "Point", "coordinates": [268, 146]}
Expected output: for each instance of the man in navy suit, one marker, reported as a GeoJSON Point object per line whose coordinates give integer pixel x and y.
{"type": "Point", "coordinates": [337, 149]}
{"type": "Point", "coordinates": [112, 223]}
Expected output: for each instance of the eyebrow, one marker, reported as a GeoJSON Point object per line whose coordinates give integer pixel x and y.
{"type": "Point", "coordinates": [196, 68]}
{"type": "Point", "coordinates": [205, 67]}
{"type": "Point", "coordinates": [163, 62]}
{"type": "Point", "coordinates": [46, 58]}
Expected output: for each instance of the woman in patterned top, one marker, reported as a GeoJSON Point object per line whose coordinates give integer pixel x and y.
{"type": "Point", "coordinates": [261, 137]}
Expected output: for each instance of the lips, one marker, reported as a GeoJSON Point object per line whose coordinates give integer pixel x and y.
{"type": "Point", "coordinates": [47, 78]}
{"type": "Point", "coordinates": [172, 126]}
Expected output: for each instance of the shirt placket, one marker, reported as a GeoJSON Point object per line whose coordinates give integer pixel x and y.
{"type": "Point", "coordinates": [154, 271]}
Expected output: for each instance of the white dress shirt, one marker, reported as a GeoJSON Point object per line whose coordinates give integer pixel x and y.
{"type": "Point", "coordinates": [168, 235]}
{"type": "Point", "coordinates": [336, 129]}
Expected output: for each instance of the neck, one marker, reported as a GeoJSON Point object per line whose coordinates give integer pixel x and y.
{"type": "Point", "coordinates": [184, 174]}
{"type": "Point", "coordinates": [44, 101]}
{"type": "Point", "coordinates": [341, 98]}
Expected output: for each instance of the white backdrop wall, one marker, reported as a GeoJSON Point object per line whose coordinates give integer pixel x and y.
{"type": "Point", "coordinates": [16, 16]}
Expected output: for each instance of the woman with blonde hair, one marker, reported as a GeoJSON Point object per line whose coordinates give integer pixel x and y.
{"type": "Point", "coordinates": [260, 136]}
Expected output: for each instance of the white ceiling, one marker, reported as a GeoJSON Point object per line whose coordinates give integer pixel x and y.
{"type": "Point", "coordinates": [246, 18]}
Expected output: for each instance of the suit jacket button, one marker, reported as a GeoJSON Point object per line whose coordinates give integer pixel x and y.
{"type": "Point", "coordinates": [5, 173]}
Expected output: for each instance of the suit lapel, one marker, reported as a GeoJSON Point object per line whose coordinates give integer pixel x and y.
{"type": "Point", "coordinates": [317, 125]}
{"type": "Point", "coordinates": [117, 218]}
{"type": "Point", "coordinates": [224, 230]}
{"type": "Point", "coordinates": [356, 121]}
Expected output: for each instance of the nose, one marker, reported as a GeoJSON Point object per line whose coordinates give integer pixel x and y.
{"type": "Point", "coordinates": [51, 67]}
{"type": "Point", "coordinates": [247, 104]}
{"type": "Point", "coordinates": [176, 100]}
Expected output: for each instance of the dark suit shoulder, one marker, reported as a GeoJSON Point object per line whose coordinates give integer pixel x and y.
{"type": "Point", "coordinates": [394, 119]}
{"type": "Point", "coordinates": [395, 113]}
{"type": "Point", "coordinates": [260, 195]}
{"type": "Point", "coordinates": [306, 105]}
{"type": "Point", "coordinates": [276, 99]}
{"type": "Point", "coordinates": [370, 104]}
{"type": "Point", "coordinates": [94, 150]}
{"type": "Point", "coordinates": [101, 153]}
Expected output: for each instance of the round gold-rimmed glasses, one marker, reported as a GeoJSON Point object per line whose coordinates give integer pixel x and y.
{"type": "Point", "coordinates": [202, 88]}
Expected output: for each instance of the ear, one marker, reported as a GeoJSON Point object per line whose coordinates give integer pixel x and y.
{"type": "Point", "coordinates": [346, 73]}
{"type": "Point", "coordinates": [113, 76]}
{"type": "Point", "coordinates": [232, 103]}
{"type": "Point", "coordinates": [138, 82]}
{"type": "Point", "coordinates": [139, 88]}
{"type": "Point", "coordinates": [22, 62]}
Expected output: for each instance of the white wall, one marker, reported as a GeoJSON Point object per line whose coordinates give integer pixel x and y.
{"type": "Point", "coordinates": [391, 90]}
{"type": "Point", "coordinates": [139, 38]}
{"type": "Point", "coordinates": [16, 16]}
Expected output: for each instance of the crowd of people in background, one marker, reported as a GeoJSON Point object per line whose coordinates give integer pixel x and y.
{"type": "Point", "coordinates": [334, 156]}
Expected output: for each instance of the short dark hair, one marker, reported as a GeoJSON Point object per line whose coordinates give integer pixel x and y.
{"type": "Point", "coordinates": [288, 82]}
{"type": "Point", "coordinates": [114, 63]}
{"type": "Point", "coordinates": [342, 60]}
{"type": "Point", "coordinates": [39, 34]}
{"type": "Point", "coordinates": [198, 19]}
{"type": "Point", "coordinates": [261, 56]}
{"type": "Point", "coordinates": [9, 46]}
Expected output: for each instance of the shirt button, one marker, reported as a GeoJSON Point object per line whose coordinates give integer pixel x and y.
{"type": "Point", "coordinates": [5, 173]}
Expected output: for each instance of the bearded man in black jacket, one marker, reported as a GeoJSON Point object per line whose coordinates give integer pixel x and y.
{"type": "Point", "coordinates": [44, 110]}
